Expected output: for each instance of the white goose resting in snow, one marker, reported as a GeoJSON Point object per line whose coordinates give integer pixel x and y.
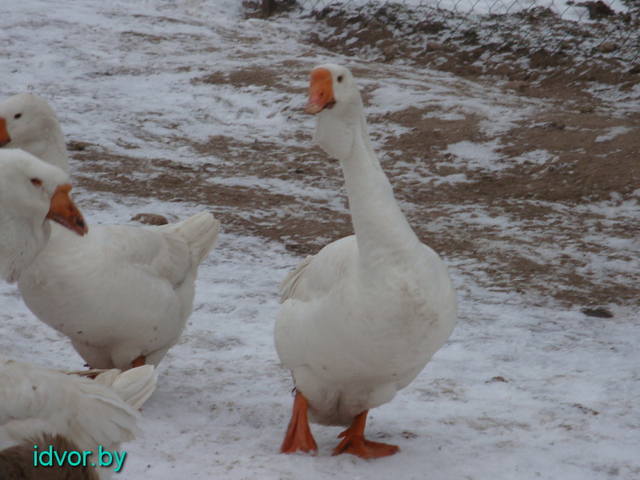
{"type": "Point", "coordinates": [361, 318]}
{"type": "Point", "coordinates": [128, 290]}
{"type": "Point", "coordinates": [38, 404]}
{"type": "Point", "coordinates": [49, 407]}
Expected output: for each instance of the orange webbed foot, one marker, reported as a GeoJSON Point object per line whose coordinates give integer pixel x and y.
{"type": "Point", "coordinates": [353, 441]}
{"type": "Point", "coordinates": [360, 447]}
{"type": "Point", "coordinates": [298, 437]}
{"type": "Point", "coordinates": [138, 361]}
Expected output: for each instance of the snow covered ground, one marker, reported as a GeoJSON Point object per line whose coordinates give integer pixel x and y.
{"type": "Point", "coordinates": [525, 389]}
{"type": "Point", "coordinates": [567, 9]}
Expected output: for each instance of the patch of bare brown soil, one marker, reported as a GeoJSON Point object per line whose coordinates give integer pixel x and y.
{"type": "Point", "coordinates": [243, 210]}
{"type": "Point", "coordinates": [539, 200]}
{"type": "Point", "coordinates": [547, 55]}
{"type": "Point", "coordinates": [305, 225]}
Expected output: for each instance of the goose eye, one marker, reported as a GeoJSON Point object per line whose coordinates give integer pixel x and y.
{"type": "Point", "coordinates": [339, 78]}
{"type": "Point", "coordinates": [36, 182]}
{"type": "Point", "coordinates": [17, 116]}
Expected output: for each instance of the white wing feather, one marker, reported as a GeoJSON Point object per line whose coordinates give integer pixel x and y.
{"type": "Point", "coordinates": [35, 400]}
{"type": "Point", "coordinates": [134, 386]}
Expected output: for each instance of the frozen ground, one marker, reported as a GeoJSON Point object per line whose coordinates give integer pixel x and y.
{"type": "Point", "coordinates": [528, 387]}
{"type": "Point", "coordinates": [566, 8]}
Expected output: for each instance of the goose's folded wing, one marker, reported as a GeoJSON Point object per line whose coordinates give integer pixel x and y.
{"type": "Point", "coordinates": [171, 252]}
{"type": "Point", "coordinates": [34, 399]}
{"type": "Point", "coordinates": [292, 280]}
{"type": "Point", "coordinates": [318, 274]}
{"type": "Point", "coordinates": [161, 255]}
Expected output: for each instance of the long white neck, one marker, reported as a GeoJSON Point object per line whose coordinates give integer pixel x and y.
{"type": "Point", "coordinates": [382, 230]}
{"type": "Point", "coordinates": [20, 242]}
{"type": "Point", "coordinates": [49, 147]}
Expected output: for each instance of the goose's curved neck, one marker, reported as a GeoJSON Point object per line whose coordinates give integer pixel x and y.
{"type": "Point", "coordinates": [379, 224]}
{"type": "Point", "coordinates": [20, 242]}
{"type": "Point", "coordinates": [49, 147]}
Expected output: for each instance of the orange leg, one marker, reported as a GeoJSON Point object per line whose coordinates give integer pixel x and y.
{"type": "Point", "coordinates": [138, 361]}
{"type": "Point", "coordinates": [353, 441]}
{"type": "Point", "coordinates": [298, 436]}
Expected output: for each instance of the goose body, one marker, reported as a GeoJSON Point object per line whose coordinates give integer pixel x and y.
{"type": "Point", "coordinates": [353, 341]}
{"type": "Point", "coordinates": [360, 319]}
{"type": "Point", "coordinates": [129, 289]}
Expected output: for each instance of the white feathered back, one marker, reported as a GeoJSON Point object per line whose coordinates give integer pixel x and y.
{"type": "Point", "coordinates": [35, 400]}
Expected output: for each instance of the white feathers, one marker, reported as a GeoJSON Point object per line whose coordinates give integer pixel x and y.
{"type": "Point", "coordinates": [128, 290]}
{"type": "Point", "coordinates": [134, 386]}
{"type": "Point", "coordinates": [35, 400]}
{"type": "Point", "coordinates": [24, 205]}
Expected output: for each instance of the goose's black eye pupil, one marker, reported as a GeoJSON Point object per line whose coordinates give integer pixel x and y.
{"type": "Point", "coordinates": [17, 116]}
{"type": "Point", "coordinates": [340, 78]}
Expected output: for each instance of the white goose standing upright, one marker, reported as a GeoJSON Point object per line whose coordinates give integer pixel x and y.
{"type": "Point", "coordinates": [130, 289]}
{"type": "Point", "coordinates": [361, 318]}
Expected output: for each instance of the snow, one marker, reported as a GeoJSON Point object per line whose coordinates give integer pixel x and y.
{"type": "Point", "coordinates": [486, 157]}
{"type": "Point", "coordinates": [612, 134]}
{"type": "Point", "coordinates": [566, 8]}
{"type": "Point", "coordinates": [481, 156]}
{"type": "Point", "coordinates": [525, 388]}
{"type": "Point", "coordinates": [538, 157]}
{"type": "Point", "coordinates": [441, 92]}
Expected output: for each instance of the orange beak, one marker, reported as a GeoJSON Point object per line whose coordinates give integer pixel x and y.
{"type": "Point", "coordinates": [65, 212]}
{"type": "Point", "coordinates": [4, 133]}
{"type": "Point", "coordinates": [320, 91]}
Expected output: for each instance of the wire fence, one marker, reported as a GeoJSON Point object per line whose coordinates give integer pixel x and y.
{"type": "Point", "coordinates": [492, 35]}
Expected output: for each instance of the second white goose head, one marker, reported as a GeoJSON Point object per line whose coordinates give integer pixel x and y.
{"type": "Point", "coordinates": [28, 122]}
{"type": "Point", "coordinates": [335, 98]}
{"type": "Point", "coordinates": [31, 193]}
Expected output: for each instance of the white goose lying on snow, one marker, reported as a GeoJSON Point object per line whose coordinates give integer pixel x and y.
{"type": "Point", "coordinates": [35, 401]}
{"type": "Point", "coordinates": [129, 290]}
{"type": "Point", "coordinates": [362, 318]}
{"type": "Point", "coordinates": [48, 407]}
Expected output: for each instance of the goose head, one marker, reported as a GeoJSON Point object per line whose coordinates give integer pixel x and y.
{"type": "Point", "coordinates": [28, 122]}
{"type": "Point", "coordinates": [31, 193]}
{"type": "Point", "coordinates": [335, 99]}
